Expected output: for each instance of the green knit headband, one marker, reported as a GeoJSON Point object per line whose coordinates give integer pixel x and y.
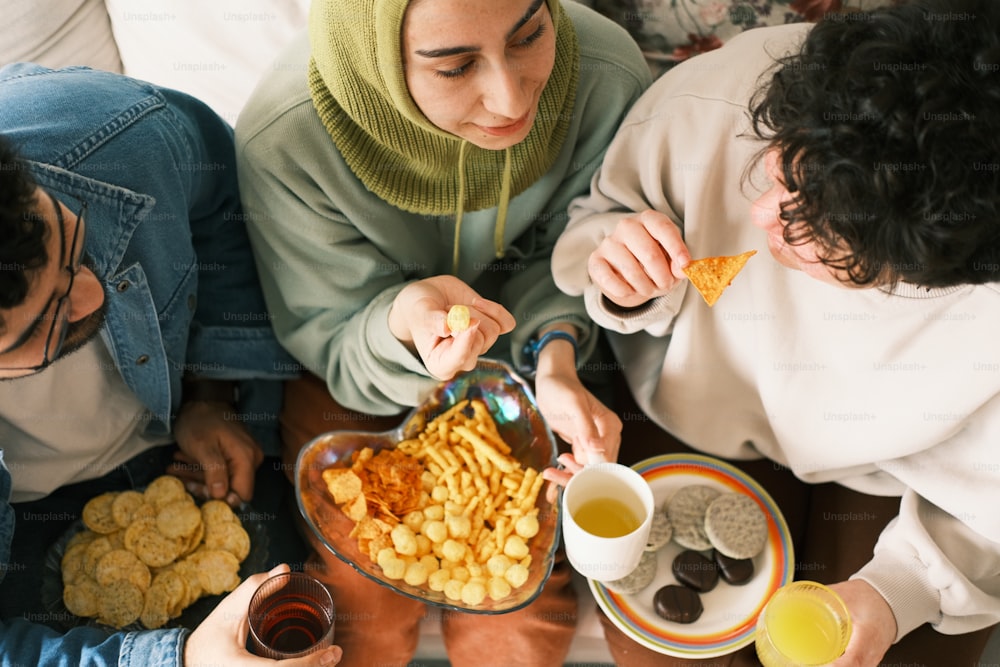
{"type": "Point", "coordinates": [359, 90]}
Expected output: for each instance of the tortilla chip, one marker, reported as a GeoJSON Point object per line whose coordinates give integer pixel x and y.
{"type": "Point", "coordinates": [712, 275]}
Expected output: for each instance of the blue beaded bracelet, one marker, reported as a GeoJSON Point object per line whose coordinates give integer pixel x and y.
{"type": "Point", "coordinates": [533, 347]}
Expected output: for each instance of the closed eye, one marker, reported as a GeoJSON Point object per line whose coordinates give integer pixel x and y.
{"type": "Point", "coordinates": [532, 38]}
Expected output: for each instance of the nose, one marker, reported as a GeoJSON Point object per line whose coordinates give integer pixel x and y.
{"type": "Point", "coordinates": [504, 94]}
{"type": "Point", "coordinates": [765, 210]}
{"type": "Point", "coordinates": [87, 295]}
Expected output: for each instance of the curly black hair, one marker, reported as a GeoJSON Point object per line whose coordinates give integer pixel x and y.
{"type": "Point", "coordinates": [23, 230]}
{"type": "Point", "coordinates": [887, 126]}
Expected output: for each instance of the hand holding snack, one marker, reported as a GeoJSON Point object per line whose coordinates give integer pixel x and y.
{"type": "Point", "coordinates": [419, 319]}
{"type": "Point", "coordinates": [641, 259]}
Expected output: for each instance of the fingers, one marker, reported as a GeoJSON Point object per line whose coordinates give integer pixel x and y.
{"type": "Point", "coordinates": [642, 258]}
{"type": "Point", "coordinates": [325, 658]}
{"type": "Point", "coordinates": [242, 455]}
{"type": "Point", "coordinates": [232, 610]}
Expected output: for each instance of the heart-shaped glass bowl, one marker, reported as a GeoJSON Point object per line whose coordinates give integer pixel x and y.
{"type": "Point", "coordinates": [513, 407]}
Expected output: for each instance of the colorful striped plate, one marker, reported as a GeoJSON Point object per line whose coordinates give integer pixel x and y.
{"type": "Point", "coordinates": [727, 624]}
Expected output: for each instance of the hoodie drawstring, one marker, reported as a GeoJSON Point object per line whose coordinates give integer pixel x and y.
{"type": "Point", "coordinates": [501, 220]}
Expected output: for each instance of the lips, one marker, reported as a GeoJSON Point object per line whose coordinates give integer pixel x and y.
{"type": "Point", "coordinates": [505, 130]}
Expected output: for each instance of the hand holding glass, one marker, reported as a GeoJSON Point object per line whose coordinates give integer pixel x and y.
{"type": "Point", "coordinates": [291, 615]}
{"type": "Point", "coordinates": [804, 623]}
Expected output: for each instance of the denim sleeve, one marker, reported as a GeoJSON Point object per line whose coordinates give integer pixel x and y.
{"type": "Point", "coordinates": [231, 318]}
{"type": "Point", "coordinates": [25, 644]}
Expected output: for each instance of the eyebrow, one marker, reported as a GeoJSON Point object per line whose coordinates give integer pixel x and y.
{"type": "Point", "coordinates": [37, 321]}
{"type": "Point", "coordinates": [456, 50]}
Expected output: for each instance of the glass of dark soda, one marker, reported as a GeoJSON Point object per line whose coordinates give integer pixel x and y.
{"type": "Point", "coordinates": [291, 615]}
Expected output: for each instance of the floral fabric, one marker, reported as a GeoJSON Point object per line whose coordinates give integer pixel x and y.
{"type": "Point", "coordinates": [670, 31]}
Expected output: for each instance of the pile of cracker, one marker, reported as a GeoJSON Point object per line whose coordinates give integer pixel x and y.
{"type": "Point", "coordinates": [147, 556]}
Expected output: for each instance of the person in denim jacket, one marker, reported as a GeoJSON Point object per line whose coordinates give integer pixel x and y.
{"type": "Point", "coordinates": [130, 319]}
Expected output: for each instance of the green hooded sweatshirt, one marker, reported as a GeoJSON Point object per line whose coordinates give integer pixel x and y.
{"type": "Point", "coordinates": [351, 193]}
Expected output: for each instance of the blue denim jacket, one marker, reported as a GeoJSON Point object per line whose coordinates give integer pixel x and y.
{"type": "Point", "coordinates": [166, 234]}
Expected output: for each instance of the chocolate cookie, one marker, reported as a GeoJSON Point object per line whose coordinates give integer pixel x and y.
{"type": "Point", "coordinates": [695, 571]}
{"type": "Point", "coordinates": [660, 531]}
{"type": "Point", "coordinates": [736, 525]}
{"type": "Point", "coordinates": [637, 579]}
{"type": "Point", "coordinates": [686, 510]}
{"type": "Point", "coordinates": [735, 571]}
{"type": "Point", "coordinates": [677, 603]}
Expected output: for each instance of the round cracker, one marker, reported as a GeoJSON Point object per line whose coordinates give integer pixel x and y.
{"type": "Point", "coordinates": [641, 577]}
{"type": "Point", "coordinates": [218, 571]}
{"type": "Point", "coordinates": [176, 589]}
{"type": "Point", "coordinates": [164, 490]}
{"type": "Point", "coordinates": [95, 551]}
{"type": "Point", "coordinates": [179, 518]}
{"type": "Point", "coordinates": [121, 603]}
{"type": "Point", "coordinates": [217, 511]}
{"type": "Point", "coordinates": [156, 608]}
{"type": "Point", "coordinates": [122, 565]}
{"type": "Point", "coordinates": [72, 564]}
{"type": "Point", "coordinates": [686, 510]}
{"type": "Point", "coordinates": [155, 549]}
{"type": "Point", "coordinates": [124, 507]}
{"type": "Point", "coordinates": [660, 531]}
{"type": "Point", "coordinates": [83, 597]}
{"type": "Point", "coordinates": [97, 514]}
{"type": "Point", "coordinates": [231, 537]}
{"type": "Point", "coordinates": [736, 525]}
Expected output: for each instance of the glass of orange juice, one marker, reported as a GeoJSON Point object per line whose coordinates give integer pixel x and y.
{"type": "Point", "coordinates": [804, 623]}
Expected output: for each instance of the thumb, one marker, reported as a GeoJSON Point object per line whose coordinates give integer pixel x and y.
{"type": "Point", "coordinates": [216, 471]}
{"type": "Point", "coordinates": [236, 604]}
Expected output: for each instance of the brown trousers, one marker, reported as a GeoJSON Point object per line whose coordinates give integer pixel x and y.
{"type": "Point", "coordinates": [377, 627]}
{"type": "Point", "coordinates": [828, 549]}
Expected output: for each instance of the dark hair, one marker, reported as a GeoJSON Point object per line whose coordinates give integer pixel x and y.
{"type": "Point", "coordinates": [23, 230]}
{"type": "Point", "coordinates": [887, 124]}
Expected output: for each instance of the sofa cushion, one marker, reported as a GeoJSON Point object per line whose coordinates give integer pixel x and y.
{"type": "Point", "coordinates": [59, 33]}
{"type": "Point", "coordinates": [216, 50]}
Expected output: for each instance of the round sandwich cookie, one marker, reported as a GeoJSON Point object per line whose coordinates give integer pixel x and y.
{"type": "Point", "coordinates": [637, 579]}
{"type": "Point", "coordinates": [695, 570]}
{"type": "Point", "coordinates": [736, 526]}
{"type": "Point", "coordinates": [677, 603]}
{"type": "Point", "coordinates": [686, 510]}
{"type": "Point", "coordinates": [660, 532]}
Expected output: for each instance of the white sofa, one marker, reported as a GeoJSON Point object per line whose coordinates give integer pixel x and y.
{"type": "Point", "coordinates": [215, 50]}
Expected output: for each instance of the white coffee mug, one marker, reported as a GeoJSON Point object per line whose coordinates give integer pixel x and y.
{"type": "Point", "coordinates": [607, 511]}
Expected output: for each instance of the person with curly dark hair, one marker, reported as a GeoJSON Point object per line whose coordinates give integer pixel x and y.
{"type": "Point", "coordinates": [852, 366]}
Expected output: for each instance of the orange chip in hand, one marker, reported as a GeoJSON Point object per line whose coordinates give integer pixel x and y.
{"type": "Point", "coordinates": [712, 275]}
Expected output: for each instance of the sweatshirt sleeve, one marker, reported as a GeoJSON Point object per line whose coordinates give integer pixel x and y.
{"type": "Point", "coordinates": [938, 562]}
{"type": "Point", "coordinates": [627, 182]}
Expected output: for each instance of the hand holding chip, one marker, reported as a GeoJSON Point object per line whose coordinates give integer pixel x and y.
{"type": "Point", "coordinates": [419, 318]}
{"type": "Point", "coordinates": [643, 258]}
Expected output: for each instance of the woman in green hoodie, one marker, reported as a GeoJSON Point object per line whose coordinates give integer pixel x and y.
{"type": "Point", "coordinates": [406, 157]}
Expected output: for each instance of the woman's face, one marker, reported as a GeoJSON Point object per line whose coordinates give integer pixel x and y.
{"type": "Point", "coordinates": [477, 68]}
